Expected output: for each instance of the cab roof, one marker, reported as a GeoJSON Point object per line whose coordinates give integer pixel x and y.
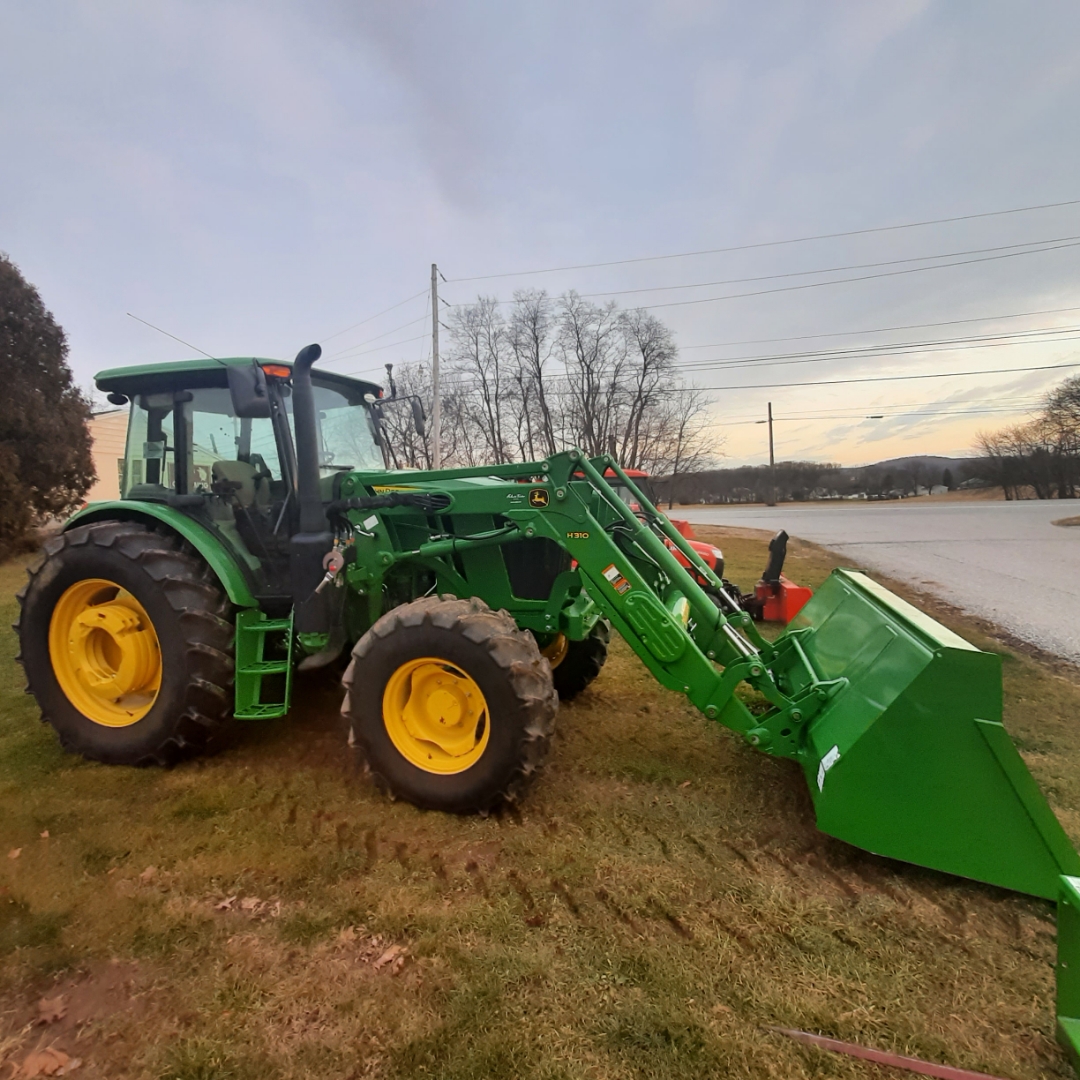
{"type": "Point", "coordinates": [202, 371]}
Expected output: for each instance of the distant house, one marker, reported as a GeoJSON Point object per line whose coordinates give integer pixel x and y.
{"type": "Point", "coordinates": [108, 430]}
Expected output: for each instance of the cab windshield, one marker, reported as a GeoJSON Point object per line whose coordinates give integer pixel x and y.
{"type": "Point", "coordinates": [346, 437]}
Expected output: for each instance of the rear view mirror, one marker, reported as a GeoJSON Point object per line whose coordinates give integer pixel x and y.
{"type": "Point", "coordinates": [247, 385]}
{"type": "Point", "coordinates": [418, 416]}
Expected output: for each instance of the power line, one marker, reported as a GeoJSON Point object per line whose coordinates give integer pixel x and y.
{"type": "Point", "coordinates": [1035, 245]}
{"type": "Point", "coordinates": [880, 329]}
{"type": "Point", "coordinates": [462, 380]}
{"type": "Point", "coordinates": [361, 344]}
{"type": "Point", "coordinates": [1053, 246]}
{"type": "Point", "coordinates": [944, 408]}
{"type": "Point", "coordinates": [886, 416]}
{"type": "Point", "coordinates": [995, 401]}
{"type": "Point", "coordinates": [1035, 336]}
{"type": "Point", "coordinates": [771, 243]}
{"type": "Point", "coordinates": [379, 348]}
{"type": "Point", "coordinates": [879, 378]}
{"type": "Point", "coordinates": [372, 318]}
{"type": "Point", "coordinates": [899, 348]}
{"type": "Point", "coordinates": [860, 277]}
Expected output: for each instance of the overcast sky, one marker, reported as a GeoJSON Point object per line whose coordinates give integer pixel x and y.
{"type": "Point", "coordinates": [255, 176]}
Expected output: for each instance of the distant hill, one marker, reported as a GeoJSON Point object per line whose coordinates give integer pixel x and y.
{"type": "Point", "coordinates": [935, 461]}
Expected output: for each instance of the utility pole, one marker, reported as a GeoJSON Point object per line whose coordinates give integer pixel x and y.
{"type": "Point", "coordinates": [436, 407]}
{"type": "Point", "coordinates": [772, 462]}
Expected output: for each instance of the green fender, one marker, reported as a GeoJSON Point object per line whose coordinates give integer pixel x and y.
{"type": "Point", "coordinates": [218, 555]}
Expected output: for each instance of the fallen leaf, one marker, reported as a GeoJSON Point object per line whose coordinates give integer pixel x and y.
{"type": "Point", "coordinates": [225, 905]}
{"type": "Point", "coordinates": [44, 834]}
{"type": "Point", "coordinates": [148, 874]}
{"type": "Point", "coordinates": [720, 1007]}
{"type": "Point", "coordinates": [250, 903]}
{"type": "Point", "coordinates": [685, 783]}
{"type": "Point", "coordinates": [388, 957]}
{"type": "Point", "coordinates": [48, 1062]}
{"type": "Point", "coordinates": [14, 853]}
{"type": "Point", "coordinates": [51, 1009]}
{"type": "Point", "coordinates": [347, 935]}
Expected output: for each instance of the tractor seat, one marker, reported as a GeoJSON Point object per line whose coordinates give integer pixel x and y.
{"type": "Point", "coordinates": [248, 485]}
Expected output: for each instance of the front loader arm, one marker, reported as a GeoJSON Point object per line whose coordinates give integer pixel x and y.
{"type": "Point", "coordinates": [661, 608]}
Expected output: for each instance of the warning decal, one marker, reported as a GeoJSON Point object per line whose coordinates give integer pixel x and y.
{"type": "Point", "coordinates": [617, 581]}
{"type": "Point", "coordinates": [825, 764]}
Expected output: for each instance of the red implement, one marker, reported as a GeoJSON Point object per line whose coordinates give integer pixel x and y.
{"type": "Point", "coordinates": [781, 600]}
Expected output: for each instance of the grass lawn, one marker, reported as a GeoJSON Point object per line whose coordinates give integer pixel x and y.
{"type": "Point", "coordinates": [661, 898]}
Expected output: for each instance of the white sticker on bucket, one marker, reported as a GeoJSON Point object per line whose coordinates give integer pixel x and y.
{"type": "Point", "coordinates": [826, 763]}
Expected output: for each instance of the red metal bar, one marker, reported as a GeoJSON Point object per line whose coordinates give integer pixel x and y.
{"type": "Point", "coordinates": [897, 1061]}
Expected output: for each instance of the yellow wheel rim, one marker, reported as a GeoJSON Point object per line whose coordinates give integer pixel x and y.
{"type": "Point", "coordinates": [556, 649]}
{"type": "Point", "coordinates": [436, 716]}
{"type": "Point", "coordinates": [104, 652]}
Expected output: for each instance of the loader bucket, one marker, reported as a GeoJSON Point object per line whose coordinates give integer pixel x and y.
{"type": "Point", "coordinates": [1068, 968]}
{"type": "Point", "coordinates": [909, 759]}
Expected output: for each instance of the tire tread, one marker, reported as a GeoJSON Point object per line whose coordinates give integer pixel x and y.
{"type": "Point", "coordinates": [513, 650]}
{"type": "Point", "coordinates": [202, 610]}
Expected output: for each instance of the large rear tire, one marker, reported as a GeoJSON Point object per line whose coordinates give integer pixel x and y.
{"type": "Point", "coordinates": [126, 644]}
{"type": "Point", "coordinates": [451, 705]}
{"type": "Point", "coordinates": [582, 661]}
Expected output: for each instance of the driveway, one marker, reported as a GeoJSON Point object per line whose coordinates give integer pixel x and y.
{"type": "Point", "coordinates": [1004, 561]}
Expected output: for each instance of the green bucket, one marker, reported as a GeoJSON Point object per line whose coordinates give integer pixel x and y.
{"type": "Point", "coordinates": [909, 759]}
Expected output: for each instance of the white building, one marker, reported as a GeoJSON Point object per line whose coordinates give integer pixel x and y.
{"type": "Point", "coordinates": [108, 430]}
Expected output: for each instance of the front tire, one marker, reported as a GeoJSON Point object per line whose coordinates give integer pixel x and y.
{"type": "Point", "coordinates": [126, 644]}
{"type": "Point", "coordinates": [581, 661]}
{"type": "Point", "coordinates": [451, 705]}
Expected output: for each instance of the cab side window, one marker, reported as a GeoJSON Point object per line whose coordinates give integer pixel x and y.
{"type": "Point", "coordinates": [232, 454]}
{"type": "Point", "coordinates": [149, 467]}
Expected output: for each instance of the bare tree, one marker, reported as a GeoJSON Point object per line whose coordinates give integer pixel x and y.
{"type": "Point", "coordinates": [1041, 456]}
{"type": "Point", "coordinates": [478, 361]}
{"type": "Point", "coordinates": [558, 373]}
{"type": "Point", "coordinates": [407, 448]}
{"type": "Point", "coordinates": [593, 355]}
{"type": "Point", "coordinates": [1061, 429]}
{"type": "Point", "coordinates": [531, 327]}
{"type": "Point", "coordinates": [686, 448]}
{"type": "Point", "coordinates": [643, 398]}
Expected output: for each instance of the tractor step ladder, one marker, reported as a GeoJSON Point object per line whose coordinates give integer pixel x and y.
{"type": "Point", "coordinates": [253, 629]}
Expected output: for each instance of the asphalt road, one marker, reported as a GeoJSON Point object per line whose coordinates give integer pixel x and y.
{"type": "Point", "coordinates": [1004, 561]}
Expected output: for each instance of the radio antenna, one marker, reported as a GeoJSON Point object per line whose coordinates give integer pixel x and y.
{"type": "Point", "coordinates": [174, 337]}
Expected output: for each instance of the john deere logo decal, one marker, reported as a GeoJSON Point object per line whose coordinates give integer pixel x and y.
{"type": "Point", "coordinates": [538, 497]}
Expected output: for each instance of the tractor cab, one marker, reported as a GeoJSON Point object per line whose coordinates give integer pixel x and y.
{"type": "Point", "coordinates": [215, 439]}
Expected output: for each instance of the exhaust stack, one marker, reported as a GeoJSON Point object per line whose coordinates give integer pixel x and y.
{"type": "Point", "coordinates": [314, 540]}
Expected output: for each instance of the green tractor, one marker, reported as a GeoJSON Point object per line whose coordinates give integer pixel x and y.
{"type": "Point", "coordinates": [261, 531]}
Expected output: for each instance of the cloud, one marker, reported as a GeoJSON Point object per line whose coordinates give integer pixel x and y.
{"type": "Point", "coordinates": [249, 174]}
